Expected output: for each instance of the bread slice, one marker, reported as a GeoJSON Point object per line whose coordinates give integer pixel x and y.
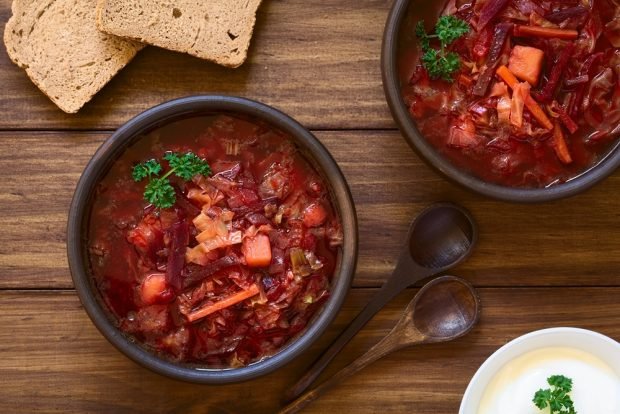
{"type": "Point", "coordinates": [216, 30]}
{"type": "Point", "coordinates": [64, 54]}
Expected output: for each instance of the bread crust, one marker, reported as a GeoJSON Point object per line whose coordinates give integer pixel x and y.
{"type": "Point", "coordinates": [63, 53]}
{"type": "Point", "coordinates": [215, 30]}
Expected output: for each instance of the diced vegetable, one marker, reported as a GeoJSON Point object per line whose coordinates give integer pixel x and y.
{"type": "Point", "coordinates": [314, 215]}
{"type": "Point", "coordinates": [545, 32]}
{"type": "Point", "coordinates": [223, 304]}
{"type": "Point", "coordinates": [526, 63]}
{"type": "Point", "coordinates": [257, 250]}
{"type": "Point", "coordinates": [299, 262]}
{"type": "Point", "coordinates": [154, 289]}
{"type": "Point", "coordinates": [561, 149]}
{"type": "Point", "coordinates": [530, 103]}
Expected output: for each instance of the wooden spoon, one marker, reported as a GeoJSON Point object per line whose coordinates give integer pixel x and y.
{"type": "Point", "coordinates": [441, 236]}
{"type": "Point", "coordinates": [444, 309]}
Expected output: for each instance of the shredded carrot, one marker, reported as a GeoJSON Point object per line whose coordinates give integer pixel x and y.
{"type": "Point", "coordinates": [510, 79]}
{"type": "Point", "coordinates": [561, 149]}
{"type": "Point", "coordinates": [224, 303]}
{"type": "Point", "coordinates": [548, 32]}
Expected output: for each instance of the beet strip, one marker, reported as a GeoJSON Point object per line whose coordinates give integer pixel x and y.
{"type": "Point", "coordinates": [490, 9]}
{"type": "Point", "coordinates": [179, 239]}
{"type": "Point", "coordinates": [561, 15]}
{"type": "Point", "coordinates": [585, 70]}
{"type": "Point", "coordinates": [557, 71]}
{"type": "Point", "coordinates": [210, 269]}
{"type": "Point", "coordinates": [499, 38]}
{"type": "Point", "coordinates": [563, 116]}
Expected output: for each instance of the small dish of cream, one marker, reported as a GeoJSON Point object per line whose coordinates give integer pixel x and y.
{"type": "Point", "coordinates": [507, 382]}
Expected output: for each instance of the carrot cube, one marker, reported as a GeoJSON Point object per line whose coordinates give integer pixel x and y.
{"type": "Point", "coordinates": [257, 250]}
{"type": "Point", "coordinates": [526, 63]}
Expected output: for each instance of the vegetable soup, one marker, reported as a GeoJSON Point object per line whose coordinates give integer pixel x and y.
{"type": "Point", "coordinates": [213, 241]}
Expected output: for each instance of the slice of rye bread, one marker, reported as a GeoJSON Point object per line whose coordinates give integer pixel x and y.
{"type": "Point", "coordinates": [216, 30]}
{"type": "Point", "coordinates": [64, 54]}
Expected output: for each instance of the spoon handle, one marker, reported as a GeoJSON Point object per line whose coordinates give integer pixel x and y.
{"type": "Point", "coordinates": [388, 344]}
{"type": "Point", "coordinates": [394, 285]}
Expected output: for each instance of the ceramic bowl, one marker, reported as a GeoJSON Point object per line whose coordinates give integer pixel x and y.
{"type": "Point", "coordinates": [596, 344]}
{"type": "Point", "coordinates": [125, 136]}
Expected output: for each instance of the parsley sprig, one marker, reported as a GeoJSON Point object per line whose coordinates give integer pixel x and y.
{"type": "Point", "coordinates": [159, 191]}
{"type": "Point", "coordinates": [556, 397]}
{"type": "Point", "coordinates": [438, 63]}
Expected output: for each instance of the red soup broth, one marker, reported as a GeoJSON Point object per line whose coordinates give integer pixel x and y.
{"type": "Point", "coordinates": [466, 128]}
{"type": "Point", "coordinates": [222, 306]}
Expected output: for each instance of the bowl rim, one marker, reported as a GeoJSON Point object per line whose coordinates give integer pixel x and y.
{"type": "Point", "coordinates": [391, 86]}
{"type": "Point", "coordinates": [127, 134]}
{"type": "Point", "coordinates": [491, 363]}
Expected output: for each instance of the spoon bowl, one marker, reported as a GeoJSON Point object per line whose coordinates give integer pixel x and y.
{"type": "Point", "coordinates": [447, 307]}
{"type": "Point", "coordinates": [441, 236]}
{"type": "Point", "coordinates": [444, 309]}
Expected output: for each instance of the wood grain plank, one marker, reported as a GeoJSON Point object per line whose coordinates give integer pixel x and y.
{"type": "Point", "coordinates": [53, 359]}
{"type": "Point", "coordinates": [316, 60]}
{"type": "Point", "coordinates": [562, 243]}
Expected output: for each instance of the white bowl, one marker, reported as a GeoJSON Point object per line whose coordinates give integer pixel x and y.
{"type": "Point", "coordinates": [601, 346]}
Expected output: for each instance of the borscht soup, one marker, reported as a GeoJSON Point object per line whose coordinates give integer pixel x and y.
{"type": "Point", "coordinates": [520, 93]}
{"type": "Point", "coordinates": [212, 240]}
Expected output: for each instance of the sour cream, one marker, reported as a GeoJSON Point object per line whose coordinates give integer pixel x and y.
{"type": "Point", "coordinates": [596, 387]}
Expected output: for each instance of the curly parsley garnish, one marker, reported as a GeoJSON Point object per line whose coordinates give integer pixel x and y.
{"type": "Point", "coordinates": [438, 63]}
{"type": "Point", "coordinates": [556, 397]}
{"type": "Point", "coordinates": [159, 191]}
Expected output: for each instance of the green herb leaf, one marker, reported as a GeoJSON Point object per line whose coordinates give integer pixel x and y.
{"type": "Point", "coordinates": [450, 28]}
{"type": "Point", "coordinates": [420, 32]}
{"type": "Point", "coordinates": [146, 169]}
{"type": "Point", "coordinates": [438, 63]}
{"type": "Point", "coordinates": [556, 397]}
{"type": "Point", "coordinates": [187, 165]}
{"type": "Point", "coordinates": [159, 191]}
{"type": "Point", "coordinates": [541, 398]}
{"type": "Point", "coordinates": [561, 382]}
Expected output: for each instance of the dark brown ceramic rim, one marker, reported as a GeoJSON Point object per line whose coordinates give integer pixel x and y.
{"type": "Point", "coordinates": [391, 85]}
{"type": "Point", "coordinates": [103, 159]}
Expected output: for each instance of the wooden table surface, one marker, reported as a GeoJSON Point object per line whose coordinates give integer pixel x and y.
{"type": "Point", "coordinates": [538, 266]}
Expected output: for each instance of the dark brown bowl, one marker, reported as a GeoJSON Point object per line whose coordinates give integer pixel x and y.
{"type": "Point", "coordinates": [129, 133]}
{"type": "Point", "coordinates": [406, 11]}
